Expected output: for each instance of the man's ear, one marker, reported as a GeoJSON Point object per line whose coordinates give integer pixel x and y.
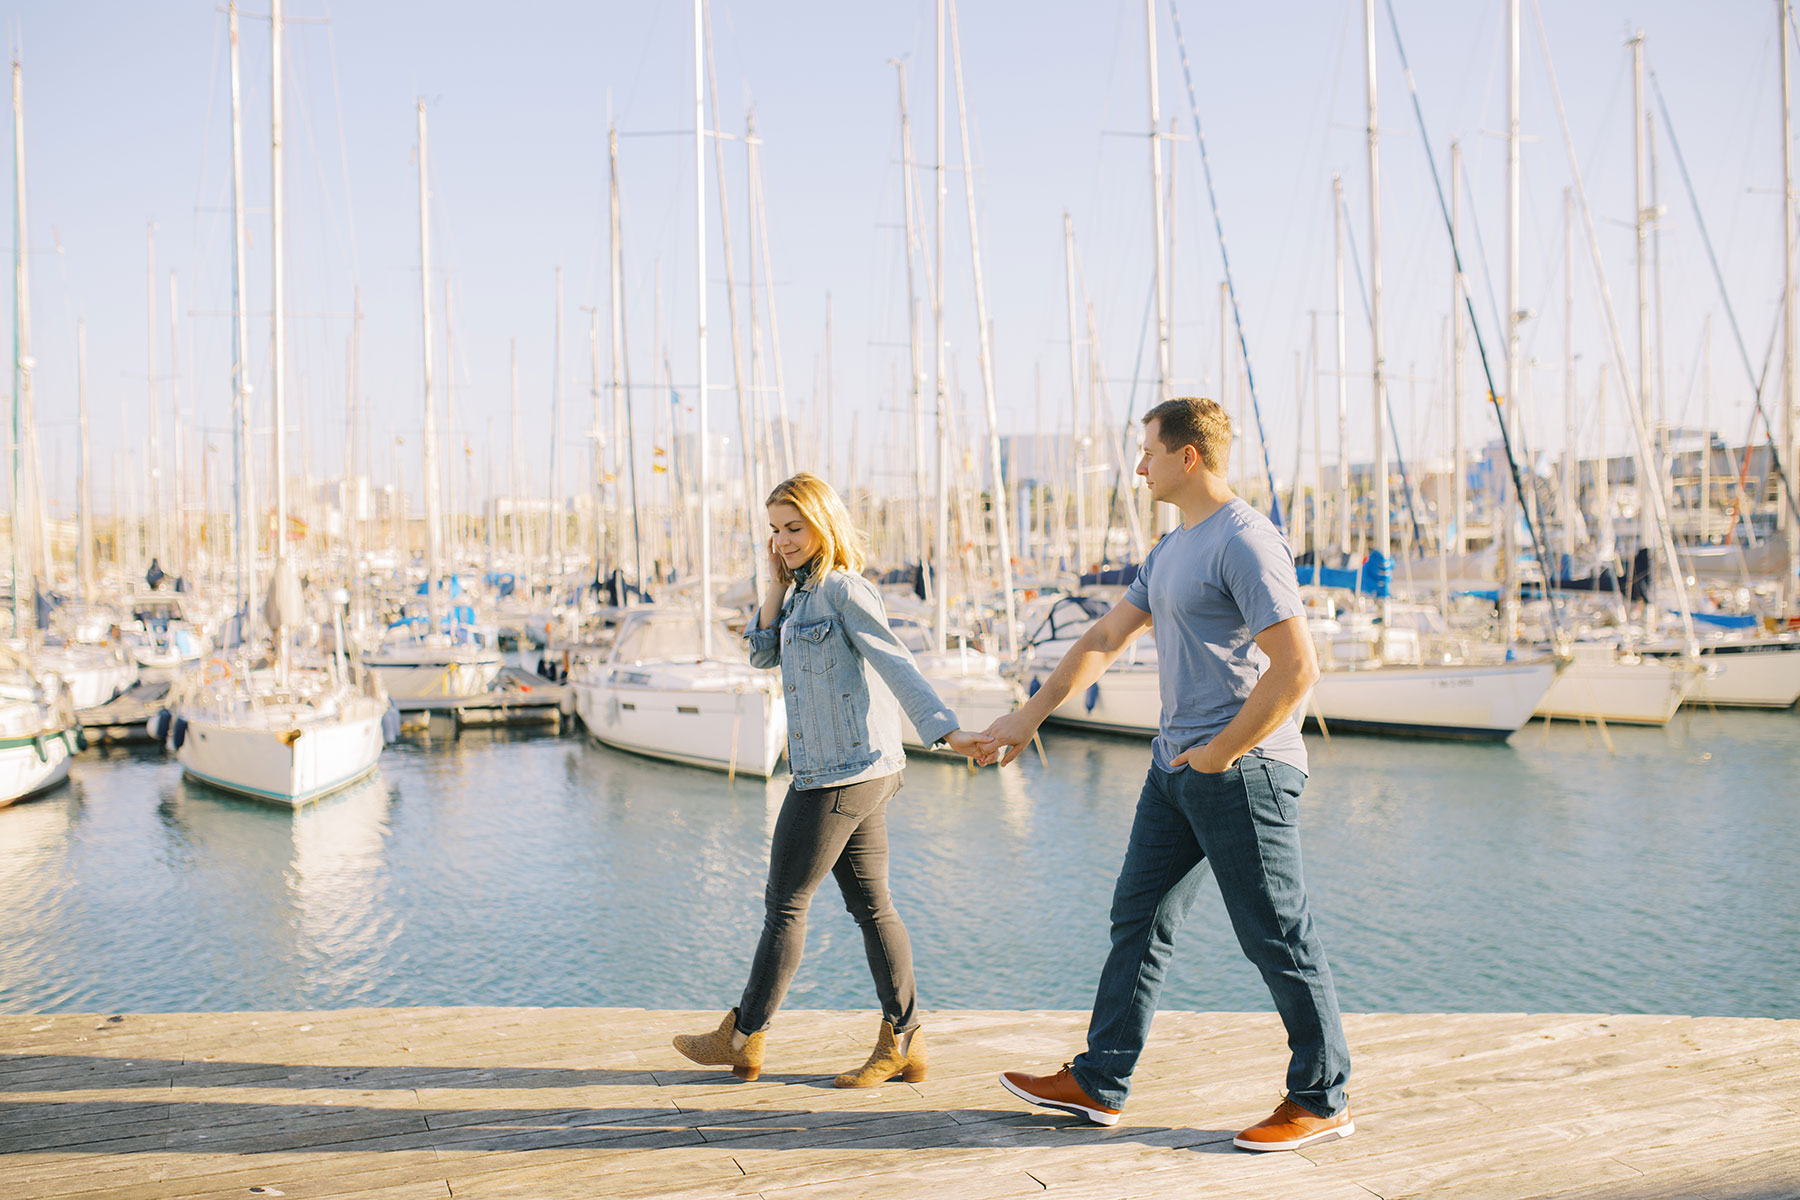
{"type": "Point", "coordinates": [1190, 457]}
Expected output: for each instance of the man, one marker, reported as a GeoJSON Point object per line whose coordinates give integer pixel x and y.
{"type": "Point", "coordinates": [1235, 662]}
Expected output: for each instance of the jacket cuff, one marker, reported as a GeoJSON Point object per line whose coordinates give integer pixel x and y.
{"type": "Point", "coordinates": [766, 637]}
{"type": "Point", "coordinates": [937, 726]}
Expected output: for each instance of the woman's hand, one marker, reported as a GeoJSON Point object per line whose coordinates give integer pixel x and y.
{"type": "Point", "coordinates": [967, 744]}
{"type": "Point", "coordinates": [775, 566]}
{"type": "Point", "coordinates": [1006, 738]}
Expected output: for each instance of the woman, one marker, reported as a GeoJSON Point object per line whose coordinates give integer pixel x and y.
{"type": "Point", "coordinates": [846, 678]}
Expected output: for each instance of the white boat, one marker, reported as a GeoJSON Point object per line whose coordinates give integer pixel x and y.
{"type": "Point", "coordinates": [286, 745]}
{"type": "Point", "coordinates": [969, 682]}
{"type": "Point", "coordinates": [164, 637]}
{"type": "Point", "coordinates": [1473, 701]}
{"type": "Point", "coordinates": [655, 695]}
{"type": "Point", "coordinates": [416, 668]}
{"type": "Point", "coordinates": [37, 740]}
{"type": "Point", "coordinates": [1127, 699]}
{"type": "Point", "coordinates": [1758, 671]}
{"type": "Point", "coordinates": [92, 674]}
{"type": "Point", "coordinates": [1615, 685]}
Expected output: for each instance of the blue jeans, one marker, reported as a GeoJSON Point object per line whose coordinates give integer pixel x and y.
{"type": "Point", "coordinates": [1242, 822]}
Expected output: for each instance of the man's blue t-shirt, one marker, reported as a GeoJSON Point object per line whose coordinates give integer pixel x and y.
{"type": "Point", "coordinates": [1210, 589]}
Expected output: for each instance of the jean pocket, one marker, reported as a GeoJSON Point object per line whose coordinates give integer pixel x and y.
{"type": "Point", "coordinates": [858, 800]}
{"type": "Point", "coordinates": [1273, 798]}
{"type": "Point", "coordinates": [810, 645]}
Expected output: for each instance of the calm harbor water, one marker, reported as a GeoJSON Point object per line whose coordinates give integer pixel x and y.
{"type": "Point", "coordinates": [1540, 875]}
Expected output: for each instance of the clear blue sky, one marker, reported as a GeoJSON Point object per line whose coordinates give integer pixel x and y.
{"type": "Point", "coordinates": [126, 111]}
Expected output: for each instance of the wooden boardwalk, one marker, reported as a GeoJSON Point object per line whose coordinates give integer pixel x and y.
{"type": "Point", "coordinates": [466, 1102]}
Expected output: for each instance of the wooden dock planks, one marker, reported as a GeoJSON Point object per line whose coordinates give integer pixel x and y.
{"type": "Point", "coordinates": [470, 1102]}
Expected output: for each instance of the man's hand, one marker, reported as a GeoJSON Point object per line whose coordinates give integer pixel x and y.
{"type": "Point", "coordinates": [1008, 736]}
{"type": "Point", "coordinates": [1204, 759]}
{"type": "Point", "coordinates": [967, 744]}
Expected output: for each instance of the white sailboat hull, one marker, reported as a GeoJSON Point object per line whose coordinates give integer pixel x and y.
{"type": "Point", "coordinates": [29, 765]}
{"type": "Point", "coordinates": [1632, 690]}
{"type": "Point", "coordinates": [970, 685]}
{"type": "Point", "coordinates": [1749, 674]}
{"type": "Point", "coordinates": [1125, 700]}
{"type": "Point", "coordinates": [90, 675]}
{"type": "Point", "coordinates": [428, 674]}
{"type": "Point", "coordinates": [1477, 702]}
{"type": "Point", "coordinates": [262, 757]}
{"type": "Point", "coordinates": [725, 721]}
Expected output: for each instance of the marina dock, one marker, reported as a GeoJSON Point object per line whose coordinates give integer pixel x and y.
{"type": "Point", "coordinates": [472, 1102]}
{"type": "Point", "coordinates": [518, 697]}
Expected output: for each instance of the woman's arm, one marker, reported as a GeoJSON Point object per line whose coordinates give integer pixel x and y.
{"type": "Point", "coordinates": [859, 607]}
{"type": "Point", "coordinates": [763, 633]}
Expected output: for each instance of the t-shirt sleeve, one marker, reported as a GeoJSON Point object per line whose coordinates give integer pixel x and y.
{"type": "Point", "coordinates": [1138, 591]}
{"type": "Point", "coordinates": [1257, 568]}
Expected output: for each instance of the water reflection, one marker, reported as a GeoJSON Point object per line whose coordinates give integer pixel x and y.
{"type": "Point", "coordinates": [1542, 875]}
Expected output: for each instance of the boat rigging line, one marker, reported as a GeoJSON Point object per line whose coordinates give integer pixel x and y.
{"type": "Point", "coordinates": [1237, 318]}
{"type": "Point", "coordinates": [1487, 369]}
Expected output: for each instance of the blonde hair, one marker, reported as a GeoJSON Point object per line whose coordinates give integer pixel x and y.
{"type": "Point", "coordinates": [1192, 421]}
{"type": "Point", "coordinates": [840, 545]}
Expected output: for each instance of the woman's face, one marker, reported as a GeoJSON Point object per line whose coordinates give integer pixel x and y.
{"type": "Point", "coordinates": [793, 539]}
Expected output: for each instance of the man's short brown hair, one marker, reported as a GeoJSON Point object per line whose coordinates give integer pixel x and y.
{"type": "Point", "coordinates": [1192, 421]}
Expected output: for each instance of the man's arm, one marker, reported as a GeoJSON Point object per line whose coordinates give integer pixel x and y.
{"type": "Point", "coordinates": [1293, 669]}
{"type": "Point", "coordinates": [1085, 662]}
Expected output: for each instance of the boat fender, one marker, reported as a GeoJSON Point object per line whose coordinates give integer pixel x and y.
{"type": "Point", "coordinates": [178, 734]}
{"type": "Point", "coordinates": [158, 726]}
{"type": "Point", "coordinates": [37, 743]}
{"type": "Point", "coordinates": [1093, 696]}
{"type": "Point", "coordinates": [77, 739]}
{"type": "Point", "coordinates": [1033, 689]}
{"type": "Point", "coordinates": [390, 725]}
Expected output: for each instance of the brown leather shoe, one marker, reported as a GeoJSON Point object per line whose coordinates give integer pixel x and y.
{"type": "Point", "coordinates": [1059, 1091]}
{"type": "Point", "coordinates": [1290, 1127]}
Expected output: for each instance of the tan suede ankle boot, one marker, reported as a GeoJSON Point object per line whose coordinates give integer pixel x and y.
{"type": "Point", "coordinates": [888, 1060]}
{"type": "Point", "coordinates": [714, 1049]}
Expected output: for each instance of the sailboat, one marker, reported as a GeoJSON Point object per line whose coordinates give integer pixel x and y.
{"type": "Point", "coordinates": [1392, 668]}
{"type": "Point", "coordinates": [276, 730]}
{"type": "Point", "coordinates": [678, 684]}
{"type": "Point", "coordinates": [438, 653]}
{"type": "Point", "coordinates": [38, 734]}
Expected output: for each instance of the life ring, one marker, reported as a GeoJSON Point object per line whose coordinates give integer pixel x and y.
{"type": "Point", "coordinates": [215, 670]}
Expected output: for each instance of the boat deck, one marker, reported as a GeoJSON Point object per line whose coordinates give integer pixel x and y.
{"type": "Point", "coordinates": [518, 697]}
{"type": "Point", "coordinates": [471, 1102]}
{"type": "Point", "coordinates": [122, 718]}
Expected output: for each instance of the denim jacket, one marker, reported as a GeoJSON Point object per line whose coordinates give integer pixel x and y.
{"type": "Point", "coordinates": [832, 641]}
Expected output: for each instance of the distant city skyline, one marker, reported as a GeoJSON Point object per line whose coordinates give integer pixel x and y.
{"type": "Point", "coordinates": [126, 123]}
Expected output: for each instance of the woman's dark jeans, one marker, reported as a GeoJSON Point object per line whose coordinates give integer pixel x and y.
{"type": "Point", "coordinates": [1242, 823]}
{"type": "Point", "coordinates": [841, 830]}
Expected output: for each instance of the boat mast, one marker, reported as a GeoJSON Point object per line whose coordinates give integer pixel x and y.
{"type": "Point", "coordinates": [1643, 296]}
{"type": "Point", "coordinates": [1002, 530]}
{"type": "Point", "coordinates": [941, 553]}
{"type": "Point", "coordinates": [277, 317]}
{"type": "Point", "coordinates": [1790, 382]}
{"type": "Point", "coordinates": [1380, 475]}
{"type": "Point", "coordinates": [85, 488]}
{"type": "Point", "coordinates": [1156, 205]}
{"type": "Point", "coordinates": [243, 504]}
{"type": "Point", "coordinates": [1459, 487]}
{"type": "Point", "coordinates": [27, 498]}
{"type": "Point", "coordinates": [516, 473]}
{"type": "Point", "coordinates": [158, 534]}
{"type": "Point", "coordinates": [1509, 541]}
{"type": "Point", "coordinates": [555, 546]}
{"type": "Point", "coordinates": [1343, 377]}
{"type": "Point", "coordinates": [1571, 456]}
{"type": "Point", "coordinates": [1076, 433]}
{"type": "Point", "coordinates": [915, 337]}
{"type": "Point", "coordinates": [705, 472]}
{"type": "Point", "coordinates": [433, 530]}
